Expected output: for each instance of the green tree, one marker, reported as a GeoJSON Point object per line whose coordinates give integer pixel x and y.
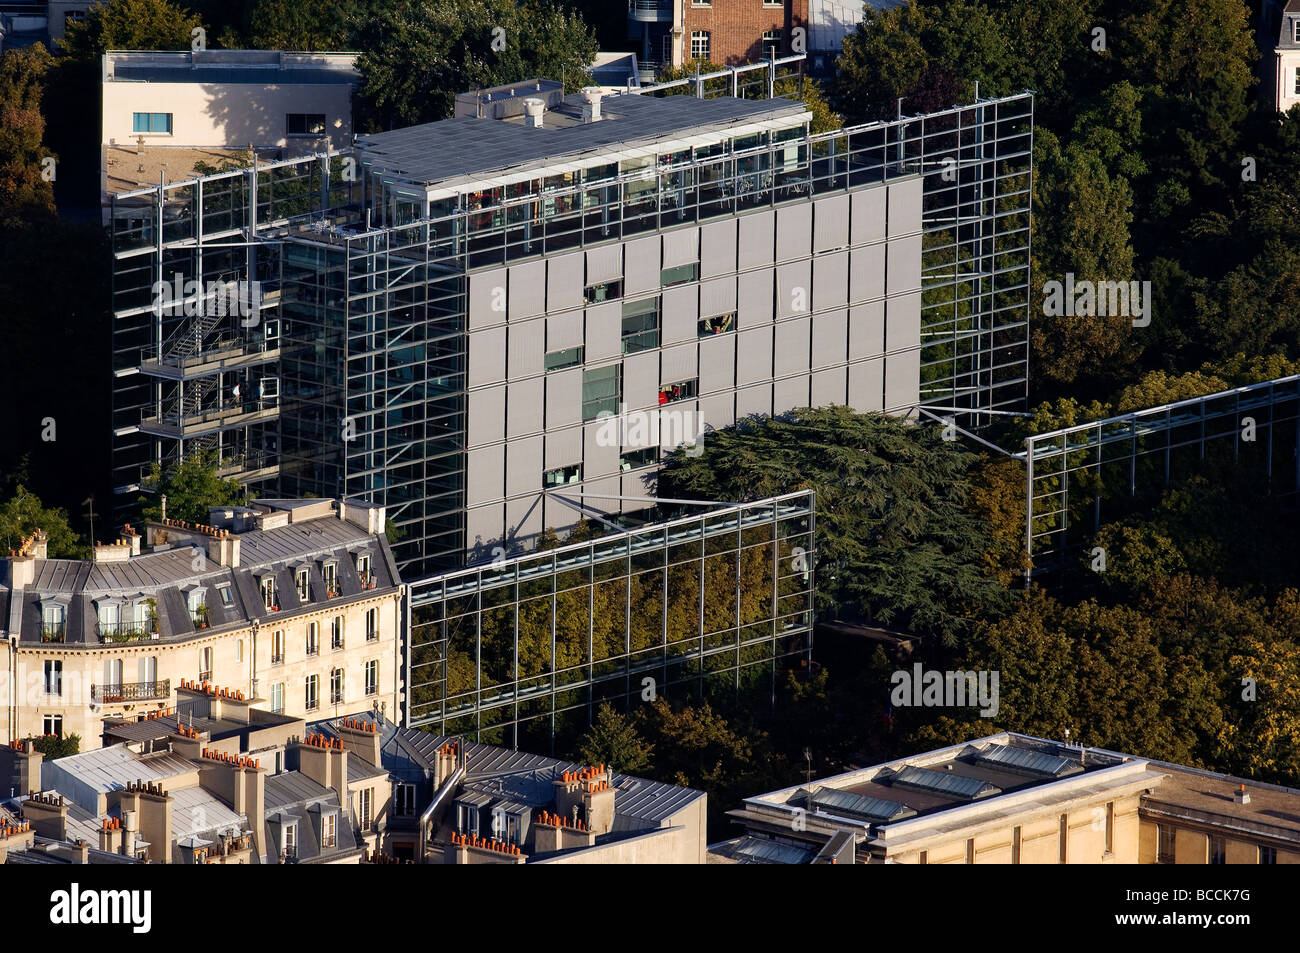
{"type": "Point", "coordinates": [130, 25]}
{"type": "Point", "coordinates": [697, 748]}
{"type": "Point", "coordinates": [54, 747]}
{"type": "Point", "coordinates": [323, 25]}
{"type": "Point", "coordinates": [190, 486]}
{"type": "Point", "coordinates": [24, 513]}
{"type": "Point", "coordinates": [613, 739]}
{"type": "Point", "coordinates": [25, 194]}
{"type": "Point", "coordinates": [895, 541]}
{"type": "Point", "coordinates": [1081, 217]}
{"type": "Point", "coordinates": [416, 55]}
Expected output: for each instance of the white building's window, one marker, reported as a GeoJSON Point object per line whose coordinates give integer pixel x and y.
{"type": "Point", "coordinates": [363, 568]}
{"type": "Point", "coordinates": [372, 677]}
{"type": "Point", "coordinates": [205, 665]}
{"type": "Point", "coordinates": [268, 592]}
{"type": "Point", "coordinates": [331, 573]}
{"type": "Point", "coordinates": [53, 678]}
{"type": "Point", "coordinates": [52, 725]}
{"type": "Point", "coordinates": [329, 828]}
{"type": "Point", "coordinates": [404, 800]}
{"type": "Point", "coordinates": [277, 647]}
{"type": "Point", "coordinates": [239, 650]}
{"type": "Point", "coordinates": [313, 693]}
{"type": "Point", "coordinates": [289, 840]}
{"type": "Point", "coordinates": [313, 638]}
{"type": "Point", "coordinates": [366, 804]}
{"type": "Point", "coordinates": [336, 686]}
{"type": "Point", "coordinates": [372, 625]}
{"type": "Point", "coordinates": [277, 697]}
{"type": "Point", "coordinates": [52, 623]}
{"type": "Point", "coordinates": [336, 632]}
{"type": "Point", "coordinates": [304, 589]}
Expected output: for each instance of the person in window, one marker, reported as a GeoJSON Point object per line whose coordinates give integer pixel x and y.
{"type": "Point", "coordinates": [663, 397]}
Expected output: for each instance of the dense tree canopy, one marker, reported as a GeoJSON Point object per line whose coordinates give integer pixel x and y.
{"type": "Point", "coordinates": [130, 25]}
{"type": "Point", "coordinates": [191, 487]}
{"type": "Point", "coordinates": [416, 55]}
{"type": "Point", "coordinates": [896, 543]}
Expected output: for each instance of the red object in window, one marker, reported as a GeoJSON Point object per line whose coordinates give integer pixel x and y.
{"type": "Point", "coordinates": [663, 397]}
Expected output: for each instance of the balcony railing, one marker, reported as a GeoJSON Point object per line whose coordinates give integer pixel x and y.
{"type": "Point", "coordinates": [52, 631]}
{"type": "Point", "coordinates": [131, 691]}
{"type": "Point", "coordinates": [126, 631]}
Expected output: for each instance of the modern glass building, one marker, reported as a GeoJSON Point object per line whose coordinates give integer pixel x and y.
{"type": "Point", "coordinates": [711, 603]}
{"type": "Point", "coordinates": [444, 319]}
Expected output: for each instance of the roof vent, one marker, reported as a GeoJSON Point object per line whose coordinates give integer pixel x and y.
{"type": "Point", "coordinates": [591, 103]}
{"type": "Point", "coordinates": [534, 109]}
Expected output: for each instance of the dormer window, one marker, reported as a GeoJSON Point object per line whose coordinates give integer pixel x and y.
{"type": "Point", "coordinates": [301, 581]}
{"type": "Point", "coordinates": [268, 593]}
{"type": "Point", "coordinates": [363, 570]}
{"type": "Point", "coordinates": [53, 622]}
{"type": "Point", "coordinates": [330, 571]}
{"type": "Point", "coordinates": [329, 830]}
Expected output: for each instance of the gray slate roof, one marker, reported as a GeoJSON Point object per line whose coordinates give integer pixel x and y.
{"type": "Point", "coordinates": [503, 774]}
{"type": "Point", "coordinates": [168, 575]}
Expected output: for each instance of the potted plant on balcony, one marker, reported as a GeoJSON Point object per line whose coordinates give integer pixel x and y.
{"type": "Point", "coordinates": [201, 616]}
{"type": "Point", "coordinates": [151, 618]}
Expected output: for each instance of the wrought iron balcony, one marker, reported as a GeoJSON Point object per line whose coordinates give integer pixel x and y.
{"type": "Point", "coordinates": [52, 631]}
{"type": "Point", "coordinates": [131, 692]}
{"type": "Point", "coordinates": [126, 631]}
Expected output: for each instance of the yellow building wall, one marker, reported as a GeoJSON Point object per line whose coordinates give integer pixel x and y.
{"type": "Point", "coordinates": [235, 658]}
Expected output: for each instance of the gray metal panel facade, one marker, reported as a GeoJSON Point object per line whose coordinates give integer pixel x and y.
{"type": "Point", "coordinates": [488, 408]}
{"type": "Point", "coordinates": [718, 248]}
{"type": "Point", "coordinates": [527, 290]}
{"type": "Point", "coordinates": [790, 355]}
{"type": "Point", "coordinates": [754, 356]}
{"type": "Point", "coordinates": [718, 296]}
{"type": "Point", "coordinates": [830, 223]}
{"type": "Point", "coordinates": [604, 263]}
{"type": "Point", "coordinates": [564, 331]}
{"type": "Point", "coordinates": [754, 299]}
{"type": "Point", "coordinates": [830, 283]}
{"type": "Point", "coordinates": [487, 299]}
{"type": "Point", "coordinates": [681, 247]}
{"type": "Point", "coordinates": [718, 363]}
{"type": "Point", "coordinates": [526, 347]}
{"type": "Point", "coordinates": [756, 240]}
{"type": "Point", "coordinates": [564, 280]}
{"type": "Point", "coordinates": [525, 402]}
{"type": "Point", "coordinates": [485, 474]}
{"type": "Point", "coordinates": [866, 385]}
{"type": "Point", "coordinates": [830, 338]}
{"type": "Point", "coordinates": [604, 327]}
{"type": "Point", "coordinates": [563, 397]}
{"type": "Point", "coordinates": [793, 232]}
{"type": "Point", "coordinates": [641, 271]}
{"type": "Point", "coordinates": [867, 216]}
{"type": "Point", "coordinates": [680, 315]}
{"type": "Point", "coordinates": [487, 356]}
{"type": "Point", "coordinates": [641, 380]}
{"type": "Point", "coordinates": [523, 466]}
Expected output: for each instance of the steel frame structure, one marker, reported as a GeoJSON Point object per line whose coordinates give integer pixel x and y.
{"type": "Point", "coordinates": [704, 603]}
{"type": "Point", "coordinates": [1126, 453]}
{"type": "Point", "coordinates": [351, 382]}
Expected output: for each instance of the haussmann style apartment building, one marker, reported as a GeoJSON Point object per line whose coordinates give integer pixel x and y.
{"type": "Point", "coordinates": [294, 606]}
